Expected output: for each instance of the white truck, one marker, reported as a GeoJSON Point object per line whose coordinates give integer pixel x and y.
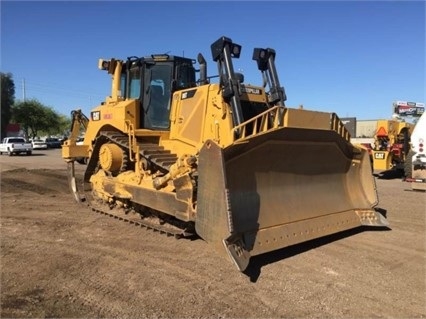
{"type": "Point", "coordinates": [15, 145]}
{"type": "Point", "coordinates": [416, 158]}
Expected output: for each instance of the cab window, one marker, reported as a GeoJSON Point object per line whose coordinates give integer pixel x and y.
{"type": "Point", "coordinates": [134, 83]}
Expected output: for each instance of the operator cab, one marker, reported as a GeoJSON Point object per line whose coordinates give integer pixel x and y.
{"type": "Point", "coordinates": [152, 81]}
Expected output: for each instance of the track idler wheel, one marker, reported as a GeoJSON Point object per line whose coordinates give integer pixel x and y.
{"type": "Point", "coordinates": [111, 157]}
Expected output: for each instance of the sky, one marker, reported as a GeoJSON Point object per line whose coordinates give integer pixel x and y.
{"type": "Point", "coordinates": [354, 58]}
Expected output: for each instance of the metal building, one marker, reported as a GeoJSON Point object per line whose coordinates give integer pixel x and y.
{"type": "Point", "coordinates": [366, 128]}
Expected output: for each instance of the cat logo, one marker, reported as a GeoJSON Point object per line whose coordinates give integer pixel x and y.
{"type": "Point", "coordinates": [250, 90]}
{"type": "Point", "coordinates": [96, 116]}
{"type": "Point", "coordinates": [379, 155]}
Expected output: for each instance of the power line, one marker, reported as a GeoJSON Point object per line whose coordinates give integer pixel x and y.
{"type": "Point", "coordinates": [26, 86]}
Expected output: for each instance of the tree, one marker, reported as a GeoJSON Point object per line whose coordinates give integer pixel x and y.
{"type": "Point", "coordinates": [64, 124]}
{"type": "Point", "coordinates": [7, 100]}
{"type": "Point", "coordinates": [36, 118]}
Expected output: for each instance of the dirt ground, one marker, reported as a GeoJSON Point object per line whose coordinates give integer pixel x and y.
{"type": "Point", "coordinates": [59, 259]}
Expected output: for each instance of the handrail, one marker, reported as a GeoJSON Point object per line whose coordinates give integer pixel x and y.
{"type": "Point", "coordinates": [264, 122]}
{"type": "Point", "coordinates": [132, 140]}
{"type": "Point", "coordinates": [274, 118]}
{"type": "Point", "coordinates": [337, 125]}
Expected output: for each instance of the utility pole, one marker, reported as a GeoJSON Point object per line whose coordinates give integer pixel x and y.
{"type": "Point", "coordinates": [23, 89]}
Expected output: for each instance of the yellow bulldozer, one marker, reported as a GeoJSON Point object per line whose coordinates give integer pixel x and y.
{"type": "Point", "coordinates": [188, 154]}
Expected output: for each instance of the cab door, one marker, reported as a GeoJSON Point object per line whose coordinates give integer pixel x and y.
{"type": "Point", "coordinates": [156, 96]}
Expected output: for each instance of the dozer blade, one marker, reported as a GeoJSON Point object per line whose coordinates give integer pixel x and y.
{"type": "Point", "coordinates": [282, 188]}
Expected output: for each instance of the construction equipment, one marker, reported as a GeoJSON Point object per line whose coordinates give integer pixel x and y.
{"type": "Point", "coordinates": [391, 144]}
{"type": "Point", "coordinates": [226, 161]}
{"type": "Point", "coordinates": [415, 165]}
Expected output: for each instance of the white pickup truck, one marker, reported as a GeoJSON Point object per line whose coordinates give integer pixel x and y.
{"type": "Point", "coordinates": [15, 145]}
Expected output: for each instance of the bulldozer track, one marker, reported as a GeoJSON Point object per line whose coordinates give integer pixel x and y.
{"type": "Point", "coordinates": [134, 218]}
{"type": "Point", "coordinates": [156, 155]}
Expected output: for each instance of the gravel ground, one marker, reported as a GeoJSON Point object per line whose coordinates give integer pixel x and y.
{"type": "Point", "coordinates": [59, 259]}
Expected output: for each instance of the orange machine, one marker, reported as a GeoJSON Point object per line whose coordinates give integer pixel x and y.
{"type": "Point", "coordinates": [391, 145]}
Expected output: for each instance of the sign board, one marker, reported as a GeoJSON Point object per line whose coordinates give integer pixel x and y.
{"type": "Point", "coordinates": [404, 108]}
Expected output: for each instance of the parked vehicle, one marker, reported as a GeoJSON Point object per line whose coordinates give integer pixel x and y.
{"type": "Point", "coordinates": [53, 142]}
{"type": "Point", "coordinates": [82, 160]}
{"type": "Point", "coordinates": [15, 145]}
{"type": "Point", "coordinates": [39, 144]}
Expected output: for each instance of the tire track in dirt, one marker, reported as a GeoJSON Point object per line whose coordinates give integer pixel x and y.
{"type": "Point", "coordinates": [22, 180]}
{"type": "Point", "coordinates": [154, 253]}
{"type": "Point", "coordinates": [83, 264]}
{"type": "Point", "coordinates": [174, 264]}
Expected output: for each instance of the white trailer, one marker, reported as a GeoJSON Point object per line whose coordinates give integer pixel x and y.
{"type": "Point", "coordinates": [416, 159]}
